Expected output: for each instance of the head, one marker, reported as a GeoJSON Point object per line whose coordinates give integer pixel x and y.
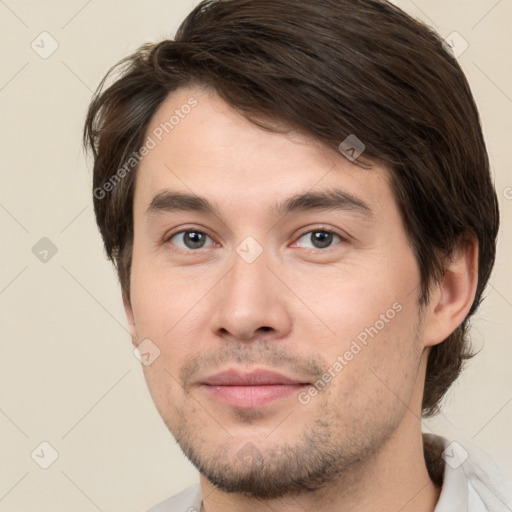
{"type": "Point", "coordinates": [244, 237]}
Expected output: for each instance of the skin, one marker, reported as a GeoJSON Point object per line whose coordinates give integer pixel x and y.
{"type": "Point", "coordinates": [357, 444]}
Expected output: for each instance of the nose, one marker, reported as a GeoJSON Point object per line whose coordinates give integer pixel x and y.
{"type": "Point", "coordinates": [250, 302]}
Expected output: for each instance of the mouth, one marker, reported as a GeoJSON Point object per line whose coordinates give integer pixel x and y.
{"type": "Point", "coordinates": [257, 388]}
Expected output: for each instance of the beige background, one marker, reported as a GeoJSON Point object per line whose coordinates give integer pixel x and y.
{"type": "Point", "coordinates": [67, 372]}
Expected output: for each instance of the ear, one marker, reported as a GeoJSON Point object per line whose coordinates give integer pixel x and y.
{"type": "Point", "coordinates": [451, 298]}
{"type": "Point", "coordinates": [131, 320]}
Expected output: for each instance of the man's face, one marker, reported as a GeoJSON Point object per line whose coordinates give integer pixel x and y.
{"type": "Point", "coordinates": [311, 290]}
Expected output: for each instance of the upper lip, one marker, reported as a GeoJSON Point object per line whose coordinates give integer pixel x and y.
{"type": "Point", "coordinates": [258, 377]}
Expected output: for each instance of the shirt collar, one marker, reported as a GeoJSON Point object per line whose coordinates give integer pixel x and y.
{"type": "Point", "coordinates": [454, 492]}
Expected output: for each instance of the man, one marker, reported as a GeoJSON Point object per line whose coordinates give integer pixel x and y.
{"type": "Point", "coordinates": [297, 199]}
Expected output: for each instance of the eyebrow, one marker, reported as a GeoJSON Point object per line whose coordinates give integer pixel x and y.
{"type": "Point", "coordinates": [325, 200]}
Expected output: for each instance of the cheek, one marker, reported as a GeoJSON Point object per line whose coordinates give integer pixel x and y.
{"type": "Point", "coordinates": [372, 374]}
{"type": "Point", "coordinates": [363, 304]}
{"type": "Point", "coordinates": [170, 310]}
{"type": "Point", "coordinates": [162, 383]}
{"type": "Point", "coordinates": [164, 300]}
{"type": "Point", "coordinates": [371, 345]}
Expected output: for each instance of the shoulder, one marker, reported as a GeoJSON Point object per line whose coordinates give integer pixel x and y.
{"type": "Point", "coordinates": [471, 481]}
{"type": "Point", "coordinates": [188, 500]}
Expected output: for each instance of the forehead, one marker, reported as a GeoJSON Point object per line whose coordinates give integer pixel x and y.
{"type": "Point", "coordinates": [203, 146]}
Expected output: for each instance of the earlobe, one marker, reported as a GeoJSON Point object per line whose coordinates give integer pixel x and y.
{"type": "Point", "coordinates": [452, 297]}
{"type": "Point", "coordinates": [131, 320]}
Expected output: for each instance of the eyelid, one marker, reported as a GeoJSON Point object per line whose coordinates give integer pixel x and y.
{"type": "Point", "coordinates": [326, 229]}
{"type": "Point", "coordinates": [180, 229]}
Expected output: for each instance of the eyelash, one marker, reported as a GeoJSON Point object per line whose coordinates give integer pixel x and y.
{"type": "Point", "coordinates": [168, 238]}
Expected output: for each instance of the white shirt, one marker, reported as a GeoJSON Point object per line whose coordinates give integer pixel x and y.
{"type": "Point", "coordinates": [470, 484]}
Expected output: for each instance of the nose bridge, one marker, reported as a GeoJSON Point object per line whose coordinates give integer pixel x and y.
{"type": "Point", "coordinates": [248, 282]}
{"type": "Point", "coordinates": [249, 297]}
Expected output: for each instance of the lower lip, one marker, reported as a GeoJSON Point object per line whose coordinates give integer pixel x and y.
{"type": "Point", "coordinates": [253, 396]}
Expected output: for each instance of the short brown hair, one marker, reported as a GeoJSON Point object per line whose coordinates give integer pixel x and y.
{"type": "Point", "coordinates": [335, 68]}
